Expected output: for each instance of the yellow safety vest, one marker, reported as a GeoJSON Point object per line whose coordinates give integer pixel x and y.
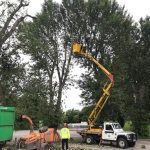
{"type": "Point", "coordinates": [65, 133]}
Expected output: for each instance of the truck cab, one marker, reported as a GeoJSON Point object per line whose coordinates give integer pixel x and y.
{"type": "Point", "coordinates": [113, 132]}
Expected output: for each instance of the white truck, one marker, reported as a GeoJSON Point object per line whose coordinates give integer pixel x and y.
{"type": "Point", "coordinates": [111, 131]}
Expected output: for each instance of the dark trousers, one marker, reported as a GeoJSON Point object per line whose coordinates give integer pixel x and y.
{"type": "Point", "coordinates": [64, 143]}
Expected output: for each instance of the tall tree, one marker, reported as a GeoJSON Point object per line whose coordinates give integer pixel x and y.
{"type": "Point", "coordinates": [72, 116]}
{"type": "Point", "coordinates": [46, 41]}
{"type": "Point", "coordinates": [114, 40]}
{"type": "Point", "coordinates": [138, 73]}
{"type": "Point", "coordinates": [10, 68]}
{"type": "Point", "coordinates": [102, 25]}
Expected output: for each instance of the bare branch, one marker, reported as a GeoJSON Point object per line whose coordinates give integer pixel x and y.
{"type": "Point", "coordinates": [13, 28]}
{"type": "Point", "coordinates": [6, 36]}
{"type": "Point", "coordinates": [2, 13]}
{"type": "Point", "coordinates": [12, 16]}
{"type": "Point", "coordinates": [2, 3]}
{"type": "Point", "coordinates": [31, 16]}
{"type": "Point", "coordinates": [67, 68]}
{"type": "Point", "coordinates": [24, 3]}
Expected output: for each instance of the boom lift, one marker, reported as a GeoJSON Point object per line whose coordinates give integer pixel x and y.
{"type": "Point", "coordinates": [109, 131]}
{"type": "Point", "coordinates": [78, 49]}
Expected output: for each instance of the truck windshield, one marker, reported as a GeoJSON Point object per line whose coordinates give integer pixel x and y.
{"type": "Point", "coordinates": [116, 126]}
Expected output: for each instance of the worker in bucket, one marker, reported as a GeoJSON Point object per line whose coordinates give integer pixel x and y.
{"type": "Point", "coordinates": [65, 136]}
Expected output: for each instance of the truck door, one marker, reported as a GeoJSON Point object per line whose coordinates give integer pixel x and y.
{"type": "Point", "coordinates": [108, 133]}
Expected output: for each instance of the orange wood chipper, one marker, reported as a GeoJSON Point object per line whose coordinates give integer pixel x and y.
{"type": "Point", "coordinates": [39, 140]}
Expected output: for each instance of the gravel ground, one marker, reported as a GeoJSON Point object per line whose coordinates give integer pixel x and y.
{"type": "Point", "coordinates": [141, 144]}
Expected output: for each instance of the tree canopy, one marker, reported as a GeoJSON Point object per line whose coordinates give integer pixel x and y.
{"type": "Point", "coordinates": [107, 32]}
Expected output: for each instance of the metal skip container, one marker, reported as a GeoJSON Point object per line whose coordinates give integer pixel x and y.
{"type": "Point", "coordinates": [7, 119]}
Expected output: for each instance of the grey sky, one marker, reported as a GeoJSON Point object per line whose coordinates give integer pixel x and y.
{"type": "Point", "coordinates": [136, 8]}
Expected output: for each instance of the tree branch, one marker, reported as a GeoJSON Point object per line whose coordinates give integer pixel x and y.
{"type": "Point", "coordinates": [13, 28]}
{"type": "Point", "coordinates": [12, 16]}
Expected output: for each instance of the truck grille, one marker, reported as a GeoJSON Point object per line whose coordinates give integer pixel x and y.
{"type": "Point", "coordinates": [133, 137]}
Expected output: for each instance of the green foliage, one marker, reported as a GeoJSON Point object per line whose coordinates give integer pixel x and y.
{"type": "Point", "coordinates": [109, 35]}
{"type": "Point", "coordinates": [46, 41]}
{"type": "Point", "coordinates": [138, 82]}
{"type": "Point", "coordinates": [104, 26]}
{"type": "Point", "coordinates": [149, 130]}
{"type": "Point", "coordinates": [11, 68]}
{"type": "Point", "coordinates": [128, 126]}
{"type": "Point", "coordinates": [72, 116]}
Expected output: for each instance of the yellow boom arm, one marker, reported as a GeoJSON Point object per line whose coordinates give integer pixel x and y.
{"type": "Point", "coordinates": [77, 48]}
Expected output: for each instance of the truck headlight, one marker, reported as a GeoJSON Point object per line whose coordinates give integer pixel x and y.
{"type": "Point", "coordinates": [128, 136]}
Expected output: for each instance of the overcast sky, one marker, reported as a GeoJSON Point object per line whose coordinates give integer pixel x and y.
{"type": "Point", "coordinates": [136, 8]}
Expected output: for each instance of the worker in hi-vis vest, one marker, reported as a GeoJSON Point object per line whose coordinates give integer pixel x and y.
{"type": "Point", "coordinates": [65, 136]}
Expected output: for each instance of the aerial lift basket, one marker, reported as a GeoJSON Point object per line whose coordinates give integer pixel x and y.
{"type": "Point", "coordinates": [76, 47]}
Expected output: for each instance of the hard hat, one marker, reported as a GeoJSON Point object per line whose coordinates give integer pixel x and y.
{"type": "Point", "coordinates": [65, 125]}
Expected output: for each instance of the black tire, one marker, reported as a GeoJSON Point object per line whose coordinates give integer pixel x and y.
{"type": "Point", "coordinates": [89, 140]}
{"type": "Point", "coordinates": [1, 146]}
{"type": "Point", "coordinates": [122, 143]}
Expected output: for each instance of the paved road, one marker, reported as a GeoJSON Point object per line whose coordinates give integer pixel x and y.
{"type": "Point", "coordinates": [140, 145]}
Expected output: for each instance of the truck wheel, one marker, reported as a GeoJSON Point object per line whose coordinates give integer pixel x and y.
{"type": "Point", "coordinates": [122, 143]}
{"type": "Point", "coordinates": [1, 146]}
{"type": "Point", "coordinates": [89, 139]}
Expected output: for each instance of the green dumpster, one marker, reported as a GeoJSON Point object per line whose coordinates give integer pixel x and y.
{"type": "Point", "coordinates": [7, 119]}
